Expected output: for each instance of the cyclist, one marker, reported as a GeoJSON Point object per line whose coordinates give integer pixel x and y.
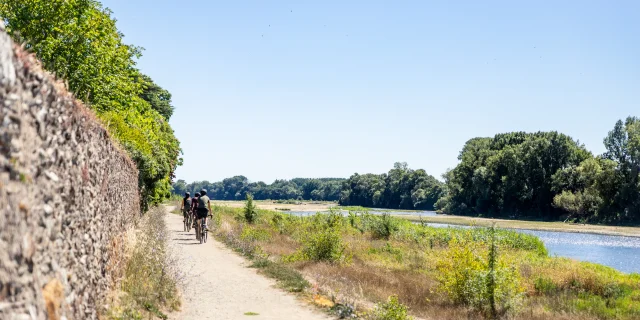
{"type": "Point", "coordinates": [204, 207]}
{"type": "Point", "coordinates": [185, 207]}
{"type": "Point", "coordinates": [194, 206]}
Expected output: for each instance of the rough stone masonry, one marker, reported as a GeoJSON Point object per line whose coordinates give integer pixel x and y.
{"type": "Point", "coordinates": [67, 195]}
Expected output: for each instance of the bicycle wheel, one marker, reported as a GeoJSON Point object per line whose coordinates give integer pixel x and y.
{"type": "Point", "coordinates": [205, 234]}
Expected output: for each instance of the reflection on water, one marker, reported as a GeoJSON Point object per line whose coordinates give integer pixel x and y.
{"type": "Point", "coordinates": [622, 253]}
{"type": "Point", "coordinates": [619, 252]}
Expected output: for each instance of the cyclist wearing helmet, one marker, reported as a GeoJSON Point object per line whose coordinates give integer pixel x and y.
{"type": "Point", "coordinates": [194, 206]}
{"type": "Point", "coordinates": [204, 206]}
{"type": "Point", "coordinates": [185, 207]}
{"type": "Point", "coordinates": [194, 202]}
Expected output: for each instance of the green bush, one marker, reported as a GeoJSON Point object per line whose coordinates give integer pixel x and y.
{"type": "Point", "coordinates": [335, 220]}
{"type": "Point", "coordinates": [544, 285]}
{"type": "Point", "coordinates": [250, 211]}
{"type": "Point", "coordinates": [490, 286]}
{"type": "Point", "coordinates": [392, 309]}
{"type": "Point", "coordinates": [385, 226]}
{"type": "Point", "coordinates": [326, 246]}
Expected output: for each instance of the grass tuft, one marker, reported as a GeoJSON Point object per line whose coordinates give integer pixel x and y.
{"type": "Point", "coordinates": [287, 277]}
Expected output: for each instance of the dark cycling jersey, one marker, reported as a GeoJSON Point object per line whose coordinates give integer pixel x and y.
{"type": "Point", "coordinates": [186, 203]}
{"type": "Point", "coordinates": [194, 203]}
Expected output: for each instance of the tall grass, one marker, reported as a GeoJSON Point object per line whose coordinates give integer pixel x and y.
{"type": "Point", "coordinates": [150, 278]}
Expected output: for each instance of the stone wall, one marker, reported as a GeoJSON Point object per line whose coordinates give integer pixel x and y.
{"type": "Point", "coordinates": [67, 195]}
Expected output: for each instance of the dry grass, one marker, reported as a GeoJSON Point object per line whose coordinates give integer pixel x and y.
{"type": "Point", "coordinates": [280, 245]}
{"type": "Point", "coordinates": [150, 274]}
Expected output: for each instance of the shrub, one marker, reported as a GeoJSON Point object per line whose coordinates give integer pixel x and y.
{"type": "Point", "coordinates": [489, 286]}
{"type": "Point", "coordinates": [277, 221]}
{"type": "Point", "coordinates": [335, 220]}
{"type": "Point", "coordinates": [385, 226]}
{"type": "Point", "coordinates": [353, 220]}
{"type": "Point", "coordinates": [250, 212]}
{"type": "Point", "coordinates": [392, 309]}
{"type": "Point", "coordinates": [544, 285]}
{"type": "Point", "coordinates": [326, 246]}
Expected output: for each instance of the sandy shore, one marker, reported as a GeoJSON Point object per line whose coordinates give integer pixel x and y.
{"type": "Point", "coordinates": [271, 205]}
{"type": "Point", "coordinates": [531, 225]}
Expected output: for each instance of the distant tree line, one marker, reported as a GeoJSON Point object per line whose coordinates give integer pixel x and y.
{"type": "Point", "coordinates": [548, 175]}
{"type": "Point", "coordinates": [401, 188]}
{"type": "Point", "coordinates": [236, 188]}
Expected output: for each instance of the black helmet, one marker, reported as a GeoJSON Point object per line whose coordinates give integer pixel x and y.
{"type": "Point", "coordinates": [197, 194]}
{"type": "Point", "coordinates": [186, 194]}
{"type": "Point", "coordinates": [203, 191]}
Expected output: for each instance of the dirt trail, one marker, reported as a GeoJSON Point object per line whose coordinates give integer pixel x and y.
{"type": "Point", "coordinates": [218, 285]}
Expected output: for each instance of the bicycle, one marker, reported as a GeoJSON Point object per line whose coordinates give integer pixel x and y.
{"type": "Point", "coordinates": [204, 232]}
{"type": "Point", "coordinates": [196, 227]}
{"type": "Point", "coordinates": [187, 221]}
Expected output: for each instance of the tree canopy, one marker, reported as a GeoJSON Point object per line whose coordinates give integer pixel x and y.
{"type": "Point", "coordinates": [157, 97]}
{"type": "Point", "coordinates": [548, 175]}
{"type": "Point", "coordinates": [77, 40]}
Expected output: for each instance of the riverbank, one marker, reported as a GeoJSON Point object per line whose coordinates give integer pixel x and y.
{"type": "Point", "coordinates": [524, 224]}
{"type": "Point", "coordinates": [438, 273]}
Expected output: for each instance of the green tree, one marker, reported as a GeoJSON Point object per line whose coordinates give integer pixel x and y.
{"type": "Point", "coordinates": [623, 148]}
{"type": "Point", "coordinates": [78, 41]}
{"type": "Point", "coordinates": [179, 187]}
{"type": "Point", "coordinates": [400, 188]}
{"type": "Point", "coordinates": [548, 175]}
{"type": "Point", "coordinates": [157, 97]}
{"type": "Point", "coordinates": [308, 188]}
{"type": "Point", "coordinates": [510, 174]}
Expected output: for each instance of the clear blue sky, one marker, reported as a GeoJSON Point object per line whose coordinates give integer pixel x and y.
{"type": "Point", "coordinates": [283, 89]}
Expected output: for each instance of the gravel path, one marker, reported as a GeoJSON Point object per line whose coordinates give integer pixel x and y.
{"type": "Point", "coordinates": [218, 285]}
